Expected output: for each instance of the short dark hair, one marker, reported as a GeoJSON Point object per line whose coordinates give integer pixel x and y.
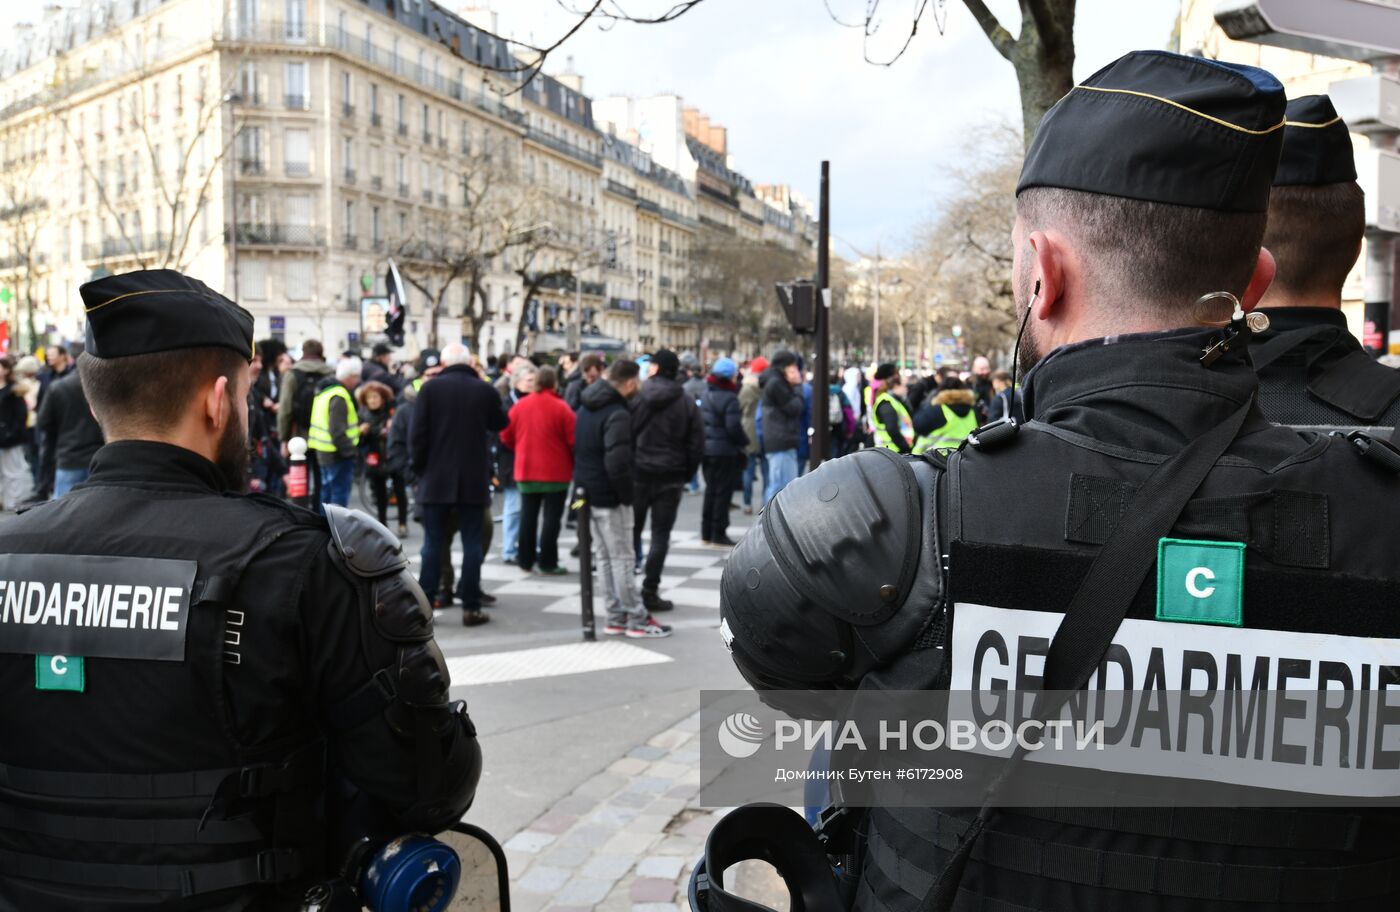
{"type": "Point", "coordinates": [592, 362]}
{"type": "Point", "coordinates": [1315, 236]}
{"type": "Point", "coordinates": [546, 378]}
{"type": "Point", "coordinates": [1156, 256]}
{"type": "Point", "coordinates": [1001, 375]}
{"type": "Point", "coordinates": [151, 392]}
{"type": "Point", "coordinates": [623, 370]}
{"type": "Point", "coordinates": [313, 350]}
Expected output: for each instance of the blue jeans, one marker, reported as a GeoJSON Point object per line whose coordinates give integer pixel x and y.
{"type": "Point", "coordinates": [755, 466]}
{"type": "Point", "coordinates": [510, 524]}
{"type": "Point", "coordinates": [782, 468]}
{"type": "Point", "coordinates": [436, 548]}
{"type": "Point", "coordinates": [64, 479]}
{"type": "Point", "coordinates": [336, 480]}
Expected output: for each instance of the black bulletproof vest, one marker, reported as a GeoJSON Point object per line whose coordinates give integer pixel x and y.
{"type": "Point", "coordinates": [1320, 375]}
{"type": "Point", "coordinates": [1022, 524]}
{"type": "Point", "coordinates": [136, 793]}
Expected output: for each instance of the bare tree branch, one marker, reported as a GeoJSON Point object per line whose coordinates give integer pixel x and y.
{"type": "Point", "coordinates": [997, 34]}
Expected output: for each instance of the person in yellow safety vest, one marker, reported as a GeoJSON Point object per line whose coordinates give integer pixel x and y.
{"type": "Point", "coordinates": [894, 430]}
{"type": "Point", "coordinates": [946, 418]}
{"type": "Point", "coordinates": [335, 432]}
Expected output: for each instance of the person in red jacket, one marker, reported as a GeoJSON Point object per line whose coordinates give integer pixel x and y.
{"type": "Point", "coordinates": [541, 432]}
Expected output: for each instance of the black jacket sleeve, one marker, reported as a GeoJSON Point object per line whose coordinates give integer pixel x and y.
{"type": "Point", "coordinates": [927, 419]}
{"type": "Point", "coordinates": [14, 413]}
{"type": "Point", "coordinates": [889, 419]}
{"type": "Point", "coordinates": [418, 433]}
{"type": "Point", "coordinates": [788, 398]}
{"type": "Point", "coordinates": [495, 418]}
{"type": "Point", "coordinates": [734, 423]}
{"type": "Point", "coordinates": [48, 422]}
{"type": "Point", "coordinates": [617, 453]}
{"type": "Point", "coordinates": [695, 451]}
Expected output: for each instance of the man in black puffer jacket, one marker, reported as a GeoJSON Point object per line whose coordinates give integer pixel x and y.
{"type": "Point", "coordinates": [725, 443]}
{"type": "Point", "coordinates": [603, 469]}
{"type": "Point", "coordinates": [782, 429]}
{"type": "Point", "coordinates": [669, 444]}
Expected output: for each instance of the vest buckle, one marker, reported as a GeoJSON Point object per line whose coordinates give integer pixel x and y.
{"type": "Point", "coordinates": [996, 434]}
{"type": "Point", "coordinates": [1374, 449]}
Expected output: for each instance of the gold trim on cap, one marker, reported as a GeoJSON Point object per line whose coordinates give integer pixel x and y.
{"type": "Point", "coordinates": [1177, 104]}
{"type": "Point", "coordinates": [1312, 126]}
{"type": "Point", "coordinates": [131, 294]}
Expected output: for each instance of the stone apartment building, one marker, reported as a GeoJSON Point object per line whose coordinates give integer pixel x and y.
{"type": "Point", "coordinates": [283, 150]}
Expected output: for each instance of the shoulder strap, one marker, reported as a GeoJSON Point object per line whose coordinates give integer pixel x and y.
{"type": "Point", "coordinates": [1101, 602]}
{"type": "Point", "coordinates": [1265, 353]}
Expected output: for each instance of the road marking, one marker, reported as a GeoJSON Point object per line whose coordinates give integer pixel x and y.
{"type": "Point", "coordinates": [549, 662]}
{"type": "Point", "coordinates": [700, 598]}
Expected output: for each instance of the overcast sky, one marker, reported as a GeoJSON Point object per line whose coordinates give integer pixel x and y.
{"type": "Point", "coordinates": [792, 87]}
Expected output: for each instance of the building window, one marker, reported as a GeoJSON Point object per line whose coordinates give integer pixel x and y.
{"type": "Point", "coordinates": [374, 227]}
{"type": "Point", "coordinates": [373, 100]}
{"type": "Point", "coordinates": [297, 87]}
{"type": "Point", "coordinates": [347, 88]}
{"type": "Point", "coordinates": [299, 280]}
{"type": "Point", "coordinates": [403, 114]}
{"type": "Point", "coordinates": [294, 20]}
{"type": "Point", "coordinates": [297, 152]}
{"type": "Point", "coordinates": [347, 155]}
{"type": "Point", "coordinates": [250, 149]}
{"type": "Point", "coordinates": [350, 218]}
{"type": "Point", "coordinates": [252, 279]}
{"type": "Point", "coordinates": [248, 83]}
{"type": "Point", "coordinates": [395, 61]}
{"type": "Point", "coordinates": [247, 15]}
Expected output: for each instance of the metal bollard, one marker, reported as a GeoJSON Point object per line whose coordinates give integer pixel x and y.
{"type": "Point", "coordinates": [585, 564]}
{"type": "Point", "coordinates": [298, 483]}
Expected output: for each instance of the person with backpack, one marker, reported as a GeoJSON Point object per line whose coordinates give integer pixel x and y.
{"type": "Point", "coordinates": [299, 387]}
{"type": "Point", "coordinates": [840, 417]}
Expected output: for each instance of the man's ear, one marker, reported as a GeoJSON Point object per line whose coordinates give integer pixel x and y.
{"type": "Point", "coordinates": [216, 407]}
{"type": "Point", "coordinates": [1260, 281]}
{"type": "Point", "coordinates": [1047, 273]}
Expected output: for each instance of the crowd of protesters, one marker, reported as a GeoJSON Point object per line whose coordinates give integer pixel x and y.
{"type": "Point", "coordinates": [630, 436]}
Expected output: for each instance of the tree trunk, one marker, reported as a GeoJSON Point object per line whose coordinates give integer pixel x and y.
{"type": "Point", "coordinates": [1044, 75]}
{"type": "Point", "coordinates": [433, 325]}
{"type": "Point", "coordinates": [1042, 55]}
{"type": "Point", "coordinates": [476, 316]}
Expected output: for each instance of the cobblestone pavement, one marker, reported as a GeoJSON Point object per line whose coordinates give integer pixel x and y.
{"type": "Point", "coordinates": [626, 839]}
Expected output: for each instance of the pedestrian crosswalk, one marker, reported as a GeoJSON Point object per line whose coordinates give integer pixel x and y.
{"type": "Point", "coordinates": [691, 578]}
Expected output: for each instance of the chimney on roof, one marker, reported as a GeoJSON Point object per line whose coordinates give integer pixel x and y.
{"type": "Point", "coordinates": [482, 17]}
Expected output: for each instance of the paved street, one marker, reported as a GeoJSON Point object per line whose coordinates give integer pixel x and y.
{"type": "Point", "coordinates": [591, 759]}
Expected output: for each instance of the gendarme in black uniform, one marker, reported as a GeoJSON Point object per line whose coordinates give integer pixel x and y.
{"type": "Point", "coordinates": [848, 583]}
{"type": "Point", "coordinates": [206, 694]}
{"type": "Point", "coordinates": [1312, 371]}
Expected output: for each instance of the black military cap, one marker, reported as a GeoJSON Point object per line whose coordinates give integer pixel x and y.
{"type": "Point", "coordinates": [159, 310]}
{"type": "Point", "coordinates": [1164, 128]}
{"type": "Point", "coordinates": [1316, 145]}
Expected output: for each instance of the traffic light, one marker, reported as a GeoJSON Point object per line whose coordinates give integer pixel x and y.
{"type": "Point", "coordinates": [799, 302]}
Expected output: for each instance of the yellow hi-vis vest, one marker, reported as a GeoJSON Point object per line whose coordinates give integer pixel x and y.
{"type": "Point", "coordinates": [906, 424]}
{"type": "Point", "coordinates": [953, 432]}
{"type": "Point", "coordinates": [319, 437]}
